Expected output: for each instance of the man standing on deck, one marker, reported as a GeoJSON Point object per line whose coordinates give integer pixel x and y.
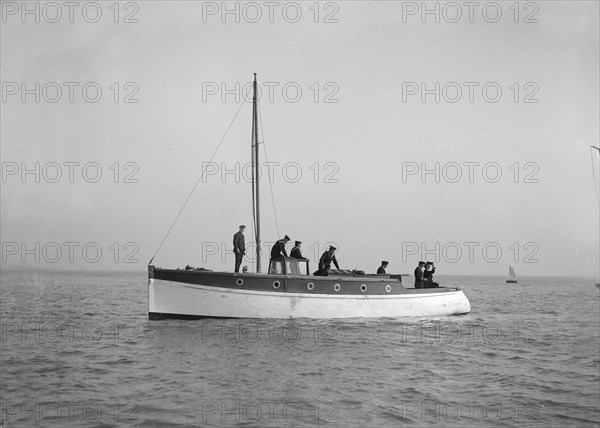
{"type": "Point", "coordinates": [419, 275]}
{"type": "Point", "coordinates": [278, 249]}
{"type": "Point", "coordinates": [384, 264]}
{"type": "Point", "coordinates": [239, 247]}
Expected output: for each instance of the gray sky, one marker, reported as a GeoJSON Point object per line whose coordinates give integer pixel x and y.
{"type": "Point", "coordinates": [514, 181]}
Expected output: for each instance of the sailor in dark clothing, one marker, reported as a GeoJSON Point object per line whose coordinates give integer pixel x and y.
{"type": "Point", "coordinates": [428, 275]}
{"type": "Point", "coordinates": [278, 249]}
{"type": "Point", "coordinates": [419, 276]}
{"type": "Point", "coordinates": [296, 251]}
{"type": "Point", "coordinates": [381, 269]}
{"type": "Point", "coordinates": [325, 261]}
{"type": "Point", "coordinates": [239, 247]}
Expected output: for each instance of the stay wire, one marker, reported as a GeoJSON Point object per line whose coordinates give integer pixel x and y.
{"type": "Point", "coordinates": [197, 182]}
{"type": "Point", "coordinates": [254, 180]}
{"type": "Point", "coordinates": [594, 170]}
{"type": "Point", "coordinates": [267, 161]}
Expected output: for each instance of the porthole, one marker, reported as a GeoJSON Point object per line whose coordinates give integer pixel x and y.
{"type": "Point", "coordinates": [337, 287]}
{"type": "Point", "coordinates": [240, 281]}
{"type": "Point", "coordinates": [276, 284]}
{"type": "Point", "coordinates": [363, 288]}
{"type": "Point", "coordinates": [388, 288]}
{"type": "Point", "coordinates": [310, 286]}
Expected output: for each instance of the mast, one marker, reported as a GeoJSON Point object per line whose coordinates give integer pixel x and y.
{"type": "Point", "coordinates": [255, 188]}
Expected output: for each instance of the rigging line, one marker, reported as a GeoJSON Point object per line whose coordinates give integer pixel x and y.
{"type": "Point", "coordinates": [594, 170]}
{"type": "Point", "coordinates": [267, 160]}
{"type": "Point", "coordinates": [253, 160]}
{"type": "Point", "coordinates": [198, 181]}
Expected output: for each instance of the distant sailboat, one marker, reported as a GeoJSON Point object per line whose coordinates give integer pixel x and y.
{"type": "Point", "coordinates": [513, 277]}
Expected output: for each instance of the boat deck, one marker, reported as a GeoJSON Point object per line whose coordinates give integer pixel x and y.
{"type": "Point", "coordinates": [306, 284]}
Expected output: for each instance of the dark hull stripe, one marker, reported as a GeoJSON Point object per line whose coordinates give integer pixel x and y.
{"type": "Point", "coordinates": [357, 286]}
{"type": "Point", "coordinates": [157, 316]}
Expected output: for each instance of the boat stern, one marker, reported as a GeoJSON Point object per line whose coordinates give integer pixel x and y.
{"type": "Point", "coordinates": [461, 304]}
{"type": "Point", "coordinates": [151, 292]}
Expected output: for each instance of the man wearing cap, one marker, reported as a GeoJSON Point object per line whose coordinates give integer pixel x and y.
{"type": "Point", "coordinates": [428, 275]}
{"type": "Point", "coordinates": [384, 264]}
{"type": "Point", "coordinates": [239, 247]}
{"type": "Point", "coordinates": [419, 275]}
{"type": "Point", "coordinates": [278, 249]}
{"type": "Point", "coordinates": [296, 251]}
{"type": "Point", "coordinates": [325, 261]}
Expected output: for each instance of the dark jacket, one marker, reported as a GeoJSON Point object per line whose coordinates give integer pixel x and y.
{"type": "Point", "coordinates": [296, 253]}
{"type": "Point", "coordinates": [419, 279]}
{"type": "Point", "coordinates": [428, 275]}
{"type": "Point", "coordinates": [239, 243]}
{"type": "Point", "coordinates": [278, 250]}
{"type": "Point", "coordinates": [325, 261]}
{"type": "Point", "coordinates": [381, 269]}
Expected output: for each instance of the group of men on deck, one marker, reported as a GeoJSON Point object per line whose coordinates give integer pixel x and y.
{"type": "Point", "coordinates": [278, 251]}
{"type": "Point", "coordinates": [423, 272]}
{"type": "Point", "coordinates": [424, 275]}
{"type": "Point", "coordinates": [328, 257]}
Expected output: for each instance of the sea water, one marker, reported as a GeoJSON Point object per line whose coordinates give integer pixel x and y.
{"type": "Point", "coordinates": [77, 349]}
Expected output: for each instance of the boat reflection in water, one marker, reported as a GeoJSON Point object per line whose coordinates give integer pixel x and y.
{"type": "Point", "coordinates": [289, 290]}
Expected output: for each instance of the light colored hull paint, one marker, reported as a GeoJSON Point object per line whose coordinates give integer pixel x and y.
{"type": "Point", "coordinates": [198, 300]}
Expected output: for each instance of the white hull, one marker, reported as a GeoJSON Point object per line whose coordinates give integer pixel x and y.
{"type": "Point", "coordinates": [175, 298]}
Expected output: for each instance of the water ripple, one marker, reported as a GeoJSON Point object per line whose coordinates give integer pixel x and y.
{"type": "Point", "coordinates": [515, 361]}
